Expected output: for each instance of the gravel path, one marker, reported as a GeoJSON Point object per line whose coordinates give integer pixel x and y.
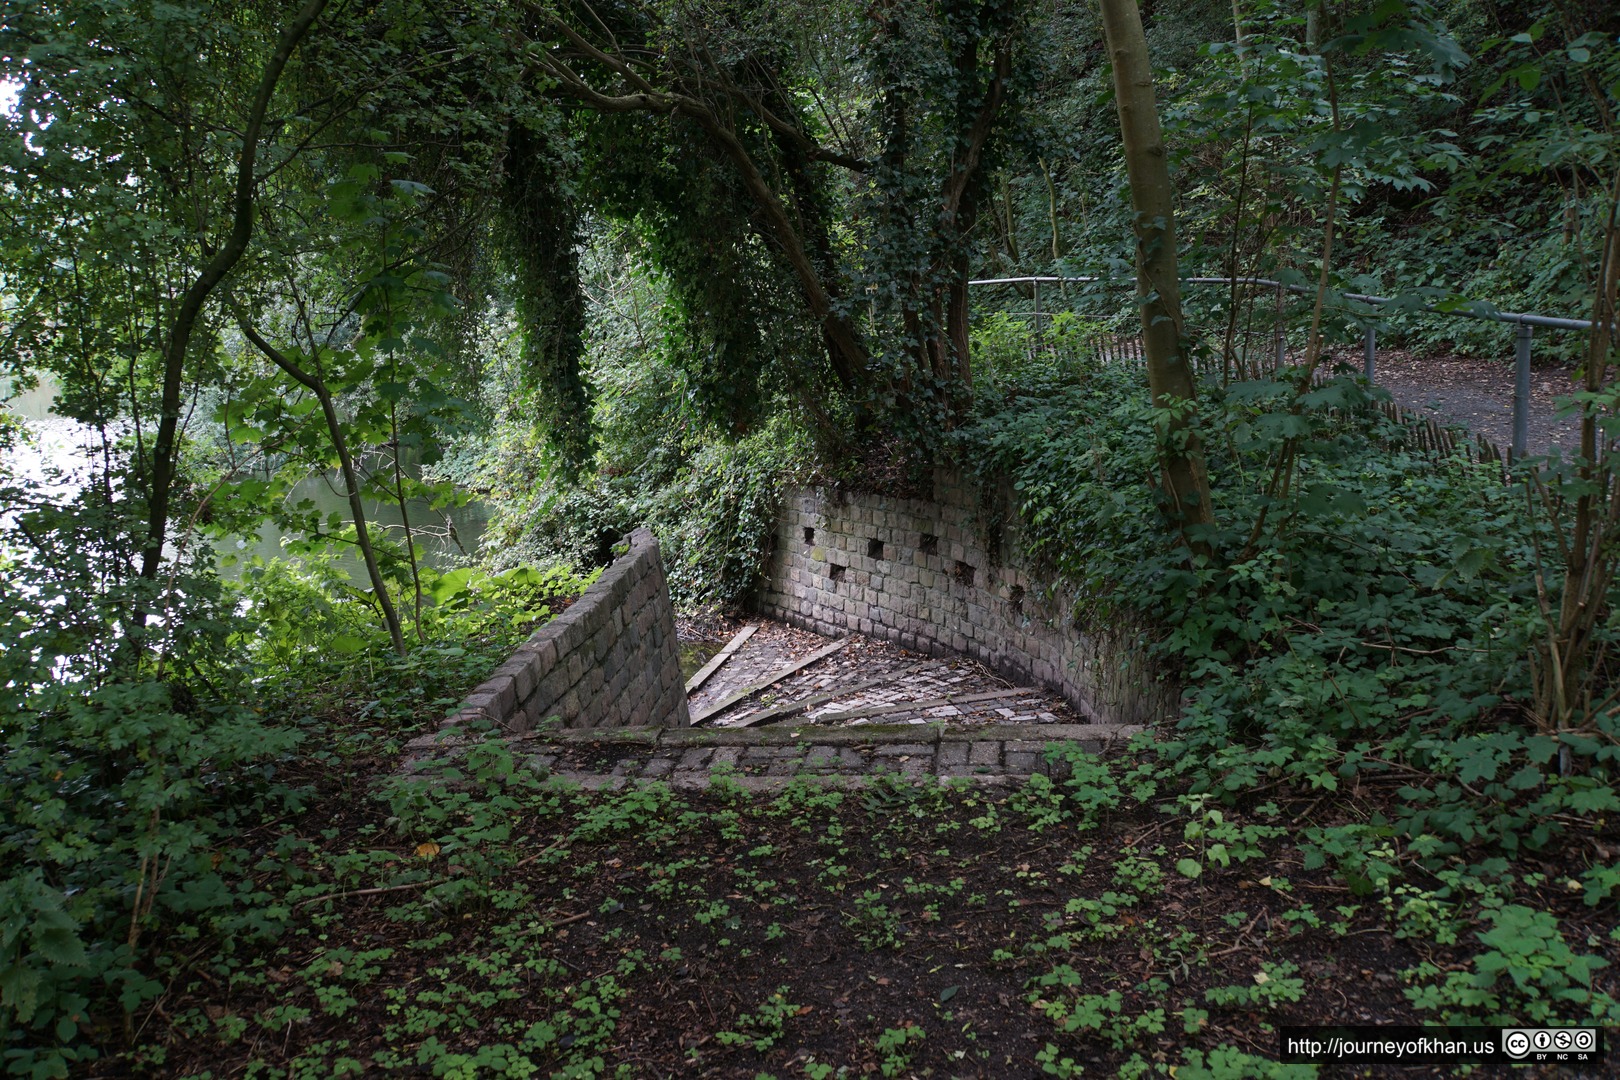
{"type": "Point", "coordinates": [1478, 394]}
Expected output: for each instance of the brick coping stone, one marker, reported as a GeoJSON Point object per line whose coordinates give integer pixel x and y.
{"type": "Point", "coordinates": [769, 759]}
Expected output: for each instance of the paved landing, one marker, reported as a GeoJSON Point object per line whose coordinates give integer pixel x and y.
{"type": "Point", "coordinates": [788, 705]}
{"type": "Point", "coordinates": [863, 682]}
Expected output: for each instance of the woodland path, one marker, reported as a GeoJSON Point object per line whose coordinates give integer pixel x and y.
{"type": "Point", "coordinates": [1478, 394]}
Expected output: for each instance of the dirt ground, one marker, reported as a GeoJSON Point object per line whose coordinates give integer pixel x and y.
{"type": "Point", "coordinates": [901, 931]}
{"type": "Point", "coordinates": [1478, 394]}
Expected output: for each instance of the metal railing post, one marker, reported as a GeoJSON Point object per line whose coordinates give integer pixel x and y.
{"type": "Point", "coordinates": [1524, 321]}
{"type": "Point", "coordinates": [1036, 340]}
{"type": "Point", "coordinates": [1521, 389]}
{"type": "Point", "coordinates": [1282, 338]}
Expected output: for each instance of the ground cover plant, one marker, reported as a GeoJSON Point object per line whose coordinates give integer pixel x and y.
{"type": "Point", "coordinates": [1376, 614]}
{"type": "Point", "coordinates": [1354, 819]}
{"type": "Point", "coordinates": [126, 800]}
{"type": "Point", "coordinates": [1355, 816]}
{"type": "Point", "coordinates": [484, 922]}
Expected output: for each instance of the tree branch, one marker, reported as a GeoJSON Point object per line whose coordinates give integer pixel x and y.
{"type": "Point", "coordinates": [351, 479]}
{"type": "Point", "coordinates": [191, 305]}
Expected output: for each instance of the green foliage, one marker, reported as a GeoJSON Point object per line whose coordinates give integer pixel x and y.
{"type": "Point", "coordinates": [1230, 1063]}
{"type": "Point", "coordinates": [1009, 354]}
{"type": "Point", "coordinates": [1368, 619]}
{"type": "Point", "coordinates": [1103, 1014]}
{"type": "Point", "coordinates": [1526, 973]}
{"type": "Point", "coordinates": [1474, 158]}
{"type": "Point", "coordinates": [762, 1028]}
{"type": "Point", "coordinates": [121, 784]}
{"type": "Point", "coordinates": [893, 1045]}
{"type": "Point", "coordinates": [1089, 785]}
{"type": "Point", "coordinates": [714, 515]}
{"type": "Point", "coordinates": [1376, 622]}
{"type": "Point", "coordinates": [1273, 985]}
{"type": "Point", "coordinates": [315, 629]}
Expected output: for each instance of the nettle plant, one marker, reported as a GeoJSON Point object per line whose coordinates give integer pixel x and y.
{"type": "Point", "coordinates": [1526, 972]}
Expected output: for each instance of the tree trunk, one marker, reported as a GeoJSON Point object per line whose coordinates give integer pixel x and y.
{"type": "Point", "coordinates": [1185, 478]}
{"type": "Point", "coordinates": [164, 449]}
{"type": "Point", "coordinates": [1589, 560]}
{"type": "Point", "coordinates": [351, 482]}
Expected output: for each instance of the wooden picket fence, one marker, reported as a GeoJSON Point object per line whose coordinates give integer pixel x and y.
{"type": "Point", "coordinates": [1423, 433]}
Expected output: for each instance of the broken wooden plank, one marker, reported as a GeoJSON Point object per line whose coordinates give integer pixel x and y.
{"type": "Point", "coordinates": [930, 703]}
{"type": "Point", "coordinates": [732, 699]}
{"type": "Point", "coordinates": [788, 708]}
{"type": "Point", "coordinates": [702, 674]}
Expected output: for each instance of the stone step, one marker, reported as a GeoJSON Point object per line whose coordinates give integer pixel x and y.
{"type": "Point", "coordinates": [768, 759]}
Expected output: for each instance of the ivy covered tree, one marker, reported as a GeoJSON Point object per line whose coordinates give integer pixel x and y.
{"type": "Point", "coordinates": [838, 150]}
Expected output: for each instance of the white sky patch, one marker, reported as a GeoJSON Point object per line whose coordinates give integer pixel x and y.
{"type": "Point", "coordinates": [9, 93]}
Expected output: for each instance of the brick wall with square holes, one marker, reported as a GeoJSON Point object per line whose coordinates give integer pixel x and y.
{"type": "Point", "coordinates": [940, 574]}
{"type": "Point", "coordinates": [609, 661]}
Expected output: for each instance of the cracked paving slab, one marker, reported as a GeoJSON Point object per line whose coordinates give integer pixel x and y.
{"type": "Point", "coordinates": [953, 690]}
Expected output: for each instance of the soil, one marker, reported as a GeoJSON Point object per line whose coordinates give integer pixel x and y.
{"type": "Point", "coordinates": [899, 931]}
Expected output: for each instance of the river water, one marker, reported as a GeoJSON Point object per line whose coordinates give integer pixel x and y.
{"type": "Point", "coordinates": [59, 450]}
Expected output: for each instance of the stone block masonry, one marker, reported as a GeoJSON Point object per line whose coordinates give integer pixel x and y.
{"type": "Point", "coordinates": [771, 759]}
{"type": "Point", "coordinates": [610, 661]}
{"type": "Point", "coordinates": [934, 575]}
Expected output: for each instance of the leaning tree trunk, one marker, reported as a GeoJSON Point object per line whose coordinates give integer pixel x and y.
{"type": "Point", "coordinates": [165, 448]}
{"type": "Point", "coordinates": [1181, 455]}
{"type": "Point", "coordinates": [351, 482]}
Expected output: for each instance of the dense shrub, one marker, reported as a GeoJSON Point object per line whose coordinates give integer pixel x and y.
{"type": "Point", "coordinates": [1376, 616]}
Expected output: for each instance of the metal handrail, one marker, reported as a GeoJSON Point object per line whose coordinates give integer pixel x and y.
{"type": "Point", "coordinates": [1524, 324]}
{"type": "Point", "coordinates": [1549, 321]}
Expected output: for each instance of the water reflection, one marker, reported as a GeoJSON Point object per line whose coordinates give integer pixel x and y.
{"type": "Point", "coordinates": [444, 537]}
{"type": "Point", "coordinates": [57, 455]}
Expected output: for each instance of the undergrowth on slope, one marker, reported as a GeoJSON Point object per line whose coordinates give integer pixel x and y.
{"type": "Point", "coordinates": [712, 505]}
{"type": "Point", "coordinates": [1371, 624]}
{"type": "Point", "coordinates": [133, 810]}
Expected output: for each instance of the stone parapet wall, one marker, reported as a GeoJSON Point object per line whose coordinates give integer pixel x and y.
{"type": "Point", "coordinates": [610, 661]}
{"type": "Point", "coordinates": [940, 574]}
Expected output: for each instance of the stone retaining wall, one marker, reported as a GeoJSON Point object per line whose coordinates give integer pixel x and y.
{"type": "Point", "coordinates": [611, 660]}
{"type": "Point", "coordinates": [943, 574]}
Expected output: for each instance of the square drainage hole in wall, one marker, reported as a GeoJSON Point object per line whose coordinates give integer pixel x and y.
{"type": "Point", "coordinates": [929, 545]}
{"type": "Point", "coordinates": [963, 574]}
{"type": "Point", "coordinates": [1016, 599]}
{"type": "Point", "coordinates": [809, 535]}
{"type": "Point", "coordinates": [874, 549]}
{"type": "Point", "coordinates": [835, 571]}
